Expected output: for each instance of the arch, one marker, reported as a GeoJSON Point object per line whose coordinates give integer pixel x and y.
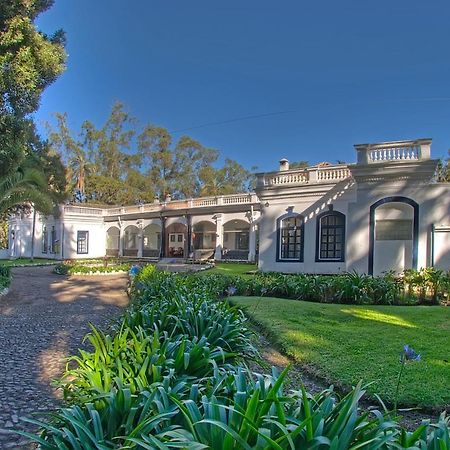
{"type": "Point", "coordinates": [131, 240]}
{"type": "Point", "coordinates": [151, 241]}
{"type": "Point", "coordinates": [415, 228]}
{"type": "Point", "coordinates": [236, 239]}
{"type": "Point", "coordinates": [176, 241]}
{"type": "Point", "coordinates": [290, 238]}
{"type": "Point", "coordinates": [204, 236]}
{"type": "Point", "coordinates": [112, 241]}
{"type": "Point", "coordinates": [330, 237]}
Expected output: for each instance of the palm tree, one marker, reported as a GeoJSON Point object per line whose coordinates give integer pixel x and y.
{"type": "Point", "coordinates": [24, 186]}
{"type": "Point", "coordinates": [79, 168]}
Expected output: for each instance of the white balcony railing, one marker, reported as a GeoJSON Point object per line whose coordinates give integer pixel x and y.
{"type": "Point", "coordinates": [399, 151]}
{"type": "Point", "coordinates": [202, 202]}
{"type": "Point", "coordinates": [309, 175]}
{"type": "Point", "coordinates": [83, 210]}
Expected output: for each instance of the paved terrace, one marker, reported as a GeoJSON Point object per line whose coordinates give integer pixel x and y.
{"type": "Point", "coordinates": [43, 320]}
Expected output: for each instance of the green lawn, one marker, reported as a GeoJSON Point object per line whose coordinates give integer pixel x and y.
{"type": "Point", "coordinates": [232, 268]}
{"type": "Point", "coordinates": [25, 261]}
{"type": "Point", "coordinates": [346, 343]}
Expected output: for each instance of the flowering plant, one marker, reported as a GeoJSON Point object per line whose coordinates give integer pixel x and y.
{"type": "Point", "coordinates": [407, 355]}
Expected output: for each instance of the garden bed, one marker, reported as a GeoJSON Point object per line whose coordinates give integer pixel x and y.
{"type": "Point", "coordinates": [170, 375]}
{"type": "Point", "coordinates": [5, 279]}
{"type": "Point", "coordinates": [343, 344]}
{"type": "Point", "coordinates": [69, 268]}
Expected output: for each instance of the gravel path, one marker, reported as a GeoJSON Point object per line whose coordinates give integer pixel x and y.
{"type": "Point", "coordinates": [42, 321]}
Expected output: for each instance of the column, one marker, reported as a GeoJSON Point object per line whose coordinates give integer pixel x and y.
{"type": "Point", "coordinates": [252, 242]}
{"type": "Point", "coordinates": [162, 250]}
{"type": "Point", "coordinates": [189, 235]}
{"type": "Point", "coordinates": [219, 237]}
{"type": "Point", "coordinates": [141, 241]}
{"type": "Point", "coordinates": [120, 239]}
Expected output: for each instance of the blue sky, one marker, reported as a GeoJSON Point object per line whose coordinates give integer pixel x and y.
{"type": "Point", "coordinates": [322, 76]}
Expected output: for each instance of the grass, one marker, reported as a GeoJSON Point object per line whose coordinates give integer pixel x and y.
{"type": "Point", "coordinates": [26, 261]}
{"type": "Point", "coordinates": [233, 268]}
{"type": "Point", "coordinates": [346, 343]}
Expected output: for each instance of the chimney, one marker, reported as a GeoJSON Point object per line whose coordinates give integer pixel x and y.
{"type": "Point", "coordinates": [284, 164]}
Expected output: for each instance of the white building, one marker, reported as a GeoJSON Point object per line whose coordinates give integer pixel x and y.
{"type": "Point", "coordinates": [386, 212]}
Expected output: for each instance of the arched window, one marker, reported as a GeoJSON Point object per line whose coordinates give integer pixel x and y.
{"type": "Point", "coordinates": [290, 238]}
{"type": "Point", "coordinates": [330, 244]}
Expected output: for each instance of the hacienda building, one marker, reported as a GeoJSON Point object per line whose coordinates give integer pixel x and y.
{"type": "Point", "coordinates": [384, 212]}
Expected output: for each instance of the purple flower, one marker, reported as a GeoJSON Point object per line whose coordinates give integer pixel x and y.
{"type": "Point", "coordinates": [231, 290]}
{"type": "Point", "coordinates": [408, 354]}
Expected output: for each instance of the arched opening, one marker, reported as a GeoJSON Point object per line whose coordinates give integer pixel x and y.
{"type": "Point", "coordinates": [112, 241]}
{"type": "Point", "coordinates": [393, 235]}
{"type": "Point", "coordinates": [176, 242]}
{"type": "Point", "coordinates": [151, 245]}
{"type": "Point", "coordinates": [204, 239]}
{"type": "Point", "coordinates": [131, 241]}
{"type": "Point", "coordinates": [236, 235]}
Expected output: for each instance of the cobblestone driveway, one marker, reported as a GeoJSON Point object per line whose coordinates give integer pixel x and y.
{"type": "Point", "coordinates": [43, 320]}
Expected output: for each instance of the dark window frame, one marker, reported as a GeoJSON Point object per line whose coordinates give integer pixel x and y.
{"type": "Point", "coordinates": [319, 227]}
{"type": "Point", "coordinates": [280, 220]}
{"type": "Point", "coordinates": [79, 249]}
{"type": "Point", "coordinates": [44, 248]}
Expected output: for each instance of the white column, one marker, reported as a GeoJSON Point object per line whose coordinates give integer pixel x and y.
{"type": "Point", "coordinates": [140, 241]}
{"type": "Point", "coordinates": [120, 240]}
{"type": "Point", "coordinates": [252, 242]}
{"type": "Point", "coordinates": [219, 237]}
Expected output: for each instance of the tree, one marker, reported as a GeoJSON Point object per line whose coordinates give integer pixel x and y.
{"type": "Point", "coordinates": [302, 164]}
{"type": "Point", "coordinates": [24, 186]}
{"type": "Point", "coordinates": [190, 158]}
{"type": "Point", "coordinates": [230, 179]}
{"type": "Point", "coordinates": [154, 144]}
{"type": "Point", "coordinates": [29, 62]}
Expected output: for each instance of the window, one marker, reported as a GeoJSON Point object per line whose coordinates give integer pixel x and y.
{"type": "Point", "coordinates": [330, 244]}
{"type": "Point", "coordinates": [53, 240]}
{"type": "Point", "coordinates": [82, 242]}
{"type": "Point", "coordinates": [242, 240]}
{"type": "Point", "coordinates": [290, 236]}
{"type": "Point", "coordinates": [44, 239]}
{"type": "Point", "coordinates": [393, 230]}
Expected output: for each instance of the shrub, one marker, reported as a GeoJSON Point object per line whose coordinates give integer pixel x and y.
{"type": "Point", "coordinates": [168, 377]}
{"type": "Point", "coordinates": [5, 276]}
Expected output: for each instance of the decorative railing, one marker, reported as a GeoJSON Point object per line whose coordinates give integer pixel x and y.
{"type": "Point", "coordinates": [202, 202]}
{"type": "Point", "coordinates": [332, 174]}
{"type": "Point", "coordinates": [83, 210]}
{"type": "Point", "coordinates": [309, 175]}
{"type": "Point", "coordinates": [399, 151]}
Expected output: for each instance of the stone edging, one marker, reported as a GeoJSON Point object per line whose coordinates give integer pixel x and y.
{"type": "Point", "coordinates": [34, 265]}
{"type": "Point", "coordinates": [98, 273]}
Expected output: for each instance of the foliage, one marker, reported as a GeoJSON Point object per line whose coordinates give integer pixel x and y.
{"type": "Point", "coordinates": [78, 268]}
{"type": "Point", "coordinates": [5, 276]}
{"type": "Point", "coordinates": [23, 186]}
{"type": "Point", "coordinates": [29, 62]}
{"type": "Point", "coordinates": [3, 231]}
{"type": "Point", "coordinates": [104, 168]}
{"type": "Point", "coordinates": [426, 286]}
{"type": "Point", "coordinates": [155, 383]}
{"type": "Point", "coordinates": [346, 343]}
